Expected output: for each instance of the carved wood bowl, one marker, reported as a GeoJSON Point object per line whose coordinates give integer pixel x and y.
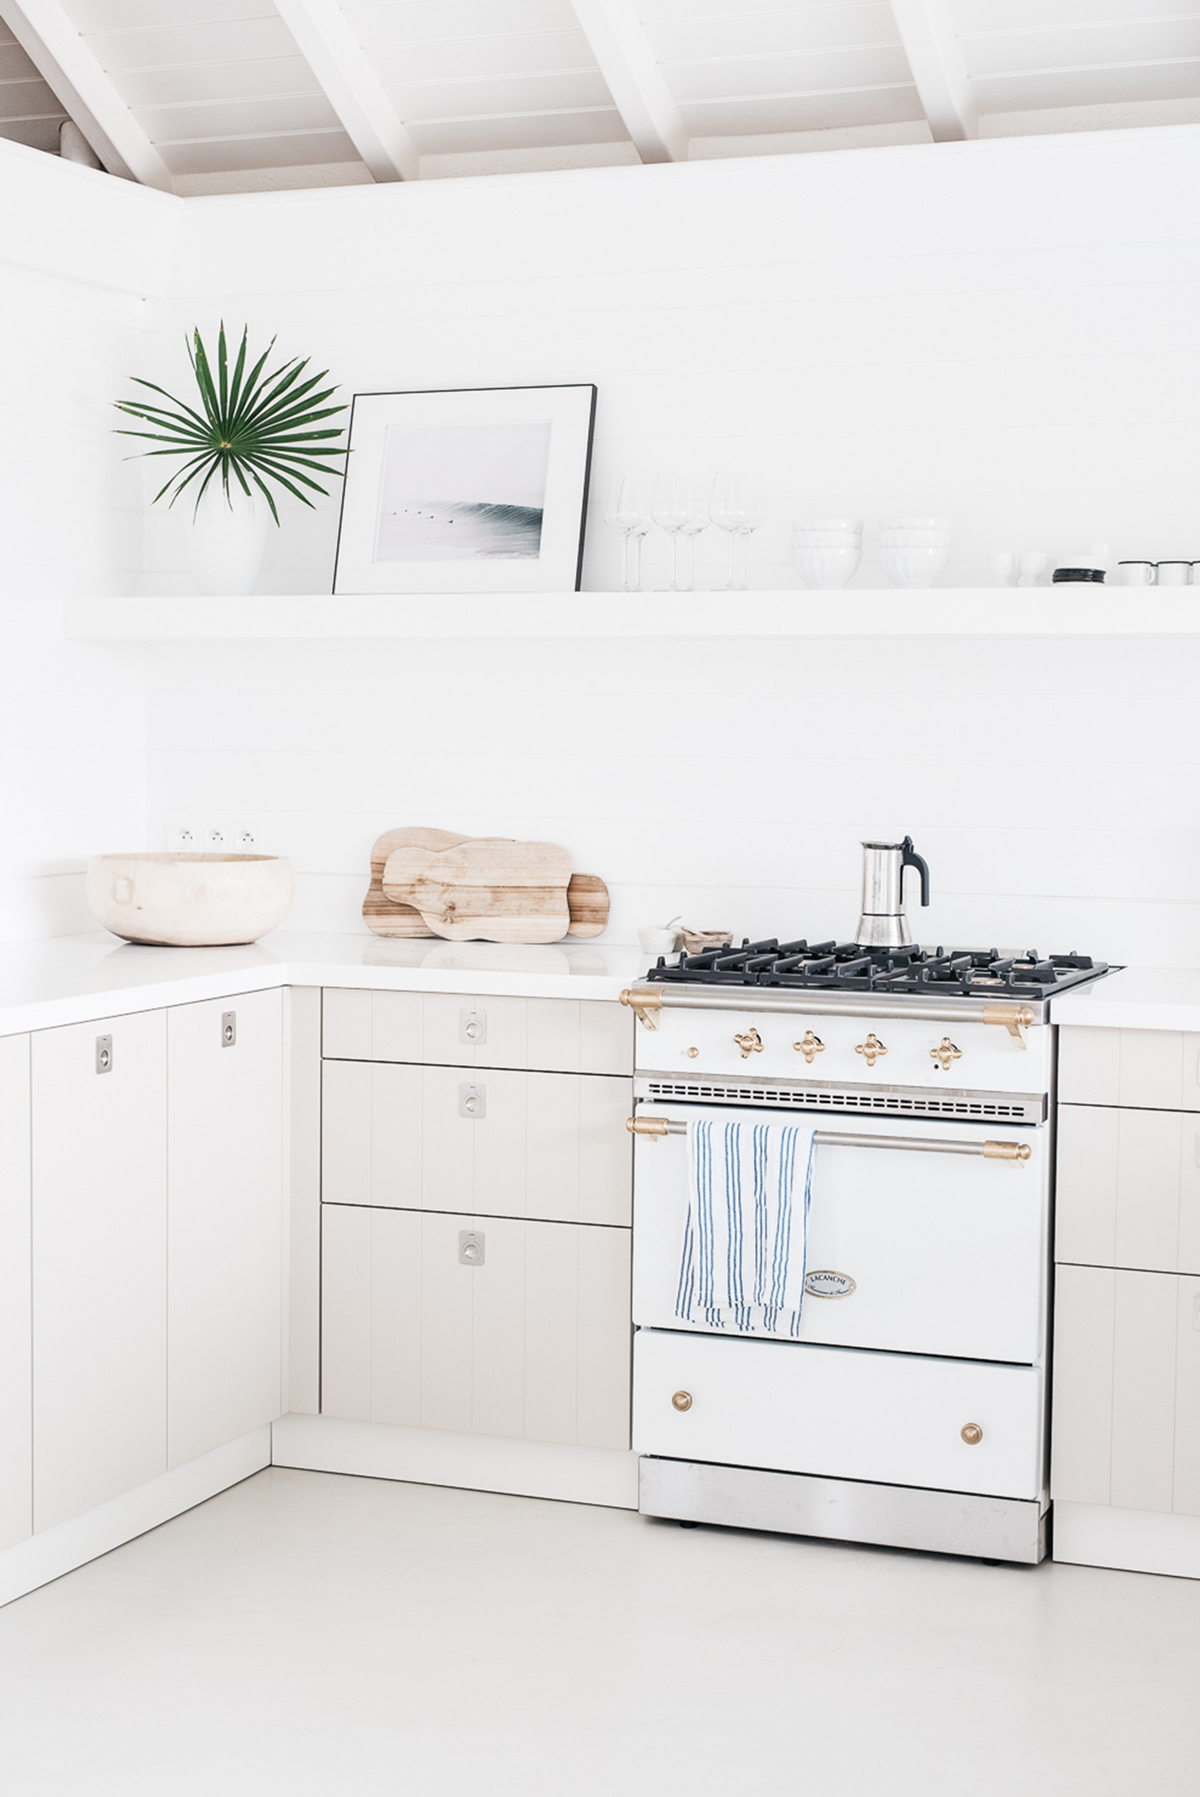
{"type": "Point", "coordinates": [182, 900]}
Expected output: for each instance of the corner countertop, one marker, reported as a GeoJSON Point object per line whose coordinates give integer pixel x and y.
{"type": "Point", "coordinates": [76, 979]}
{"type": "Point", "coordinates": [1136, 998]}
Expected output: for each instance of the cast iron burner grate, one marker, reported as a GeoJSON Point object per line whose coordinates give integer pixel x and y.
{"type": "Point", "coordinates": [846, 967]}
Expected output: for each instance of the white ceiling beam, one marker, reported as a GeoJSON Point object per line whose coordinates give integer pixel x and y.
{"type": "Point", "coordinates": [936, 61]}
{"type": "Point", "coordinates": [353, 89]}
{"type": "Point", "coordinates": [82, 88]}
{"type": "Point", "coordinates": [635, 81]}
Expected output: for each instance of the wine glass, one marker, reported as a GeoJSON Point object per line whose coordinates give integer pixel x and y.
{"type": "Point", "coordinates": [697, 521]}
{"type": "Point", "coordinates": [629, 512]}
{"type": "Point", "coordinates": [730, 512]}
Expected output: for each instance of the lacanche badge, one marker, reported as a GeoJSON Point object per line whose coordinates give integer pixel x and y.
{"type": "Point", "coordinates": [824, 1284]}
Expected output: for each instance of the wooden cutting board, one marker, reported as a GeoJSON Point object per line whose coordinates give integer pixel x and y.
{"type": "Point", "coordinates": [379, 912]}
{"type": "Point", "coordinates": [485, 891]}
{"type": "Point", "coordinates": [587, 895]}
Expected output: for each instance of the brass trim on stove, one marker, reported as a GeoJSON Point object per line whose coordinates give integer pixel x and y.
{"type": "Point", "coordinates": [990, 1151]}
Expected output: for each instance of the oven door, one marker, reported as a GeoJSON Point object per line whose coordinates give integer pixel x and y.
{"type": "Point", "coordinates": [935, 1253]}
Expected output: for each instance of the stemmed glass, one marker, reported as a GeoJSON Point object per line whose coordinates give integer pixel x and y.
{"type": "Point", "coordinates": [679, 508]}
{"type": "Point", "coordinates": [629, 512]}
{"type": "Point", "coordinates": [730, 512]}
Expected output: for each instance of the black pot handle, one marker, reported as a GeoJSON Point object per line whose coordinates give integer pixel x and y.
{"type": "Point", "coordinates": [912, 859]}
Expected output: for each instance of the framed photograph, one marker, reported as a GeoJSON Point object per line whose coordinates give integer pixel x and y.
{"type": "Point", "coordinates": [470, 490]}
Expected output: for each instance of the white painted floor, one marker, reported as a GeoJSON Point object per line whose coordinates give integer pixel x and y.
{"type": "Point", "coordinates": [306, 1633]}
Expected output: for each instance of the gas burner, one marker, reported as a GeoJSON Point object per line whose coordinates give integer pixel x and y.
{"type": "Point", "coordinates": [849, 967]}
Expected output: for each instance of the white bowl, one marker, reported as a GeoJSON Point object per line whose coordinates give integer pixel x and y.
{"type": "Point", "coordinates": [826, 566]}
{"type": "Point", "coordinates": [190, 901]}
{"type": "Point", "coordinates": [914, 567]}
{"type": "Point", "coordinates": [852, 525]}
{"type": "Point", "coordinates": [940, 524]}
{"type": "Point", "coordinates": [914, 539]}
{"type": "Point", "coordinates": [825, 539]}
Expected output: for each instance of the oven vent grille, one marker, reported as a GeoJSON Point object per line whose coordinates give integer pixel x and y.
{"type": "Point", "coordinates": [1014, 1109]}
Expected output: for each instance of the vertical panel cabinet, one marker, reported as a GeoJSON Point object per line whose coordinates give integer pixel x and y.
{"type": "Point", "coordinates": [1126, 1430]}
{"type": "Point", "coordinates": [225, 1237]}
{"type": "Point", "coordinates": [99, 1262]}
{"type": "Point", "coordinates": [477, 1182]}
{"type": "Point", "coordinates": [16, 1344]}
{"type": "Point", "coordinates": [156, 1242]}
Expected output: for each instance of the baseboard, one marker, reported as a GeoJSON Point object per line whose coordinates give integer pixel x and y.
{"type": "Point", "coordinates": [1128, 1540]}
{"type": "Point", "coordinates": [545, 1469]}
{"type": "Point", "coordinates": [55, 1551]}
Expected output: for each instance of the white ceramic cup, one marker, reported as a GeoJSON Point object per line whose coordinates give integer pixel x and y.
{"type": "Point", "coordinates": [1174, 574]}
{"type": "Point", "coordinates": [658, 940]}
{"type": "Point", "coordinates": [1135, 574]}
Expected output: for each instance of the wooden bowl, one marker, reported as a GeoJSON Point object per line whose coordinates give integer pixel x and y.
{"type": "Point", "coordinates": [190, 900]}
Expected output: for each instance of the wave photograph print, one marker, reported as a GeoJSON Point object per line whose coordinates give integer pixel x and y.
{"type": "Point", "coordinates": [461, 492]}
{"type": "Point", "coordinates": [466, 490]}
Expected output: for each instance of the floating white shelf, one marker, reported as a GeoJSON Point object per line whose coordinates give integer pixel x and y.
{"type": "Point", "coordinates": [941, 611]}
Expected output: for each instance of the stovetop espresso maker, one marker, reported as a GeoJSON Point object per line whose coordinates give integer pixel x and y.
{"type": "Point", "coordinates": [883, 923]}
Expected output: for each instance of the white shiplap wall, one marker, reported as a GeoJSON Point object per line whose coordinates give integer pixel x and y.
{"type": "Point", "coordinates": [1001, 331]}
{"type": "Point", "coordinates": [79, 254]}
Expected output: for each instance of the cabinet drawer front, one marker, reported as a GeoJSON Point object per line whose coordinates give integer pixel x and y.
{"type": "Point", "coordinates": [506, 1144]}
{"type": "Point", "coordinates": [554, 1035]}
{"type": "Point", "coordinates": [1127, 1390]}
{"type": "Point", "coordinates": [1143, 1069]}
{"type": "Point", "coordinates": [890, 1418]}
{"type": "Point", "coordinates": [1128, 1188]}
{"type": "Point", "coordinates": [533, 1342]}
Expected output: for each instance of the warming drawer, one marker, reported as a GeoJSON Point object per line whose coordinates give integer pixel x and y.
{"type": "Point", "coordinates": [895, 1419]}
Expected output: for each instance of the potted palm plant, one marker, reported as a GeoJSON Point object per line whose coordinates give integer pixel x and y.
{"type": "Point", "coordinates": [248, 432]}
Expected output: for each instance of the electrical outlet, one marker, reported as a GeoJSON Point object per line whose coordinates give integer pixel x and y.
{"type": "Point", "coordinates": [215, 836]}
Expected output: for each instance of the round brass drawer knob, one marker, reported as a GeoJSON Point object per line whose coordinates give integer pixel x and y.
{"type": "Point", "coordinates": [691, 1053]}
{"type": "Point", "coordinates": [972, 1434]}
{"type": "Point", "coordinates": [682, 1400]}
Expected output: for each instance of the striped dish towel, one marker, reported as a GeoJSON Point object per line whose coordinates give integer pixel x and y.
{"type": "Point", "coordinates": [745, 1240]}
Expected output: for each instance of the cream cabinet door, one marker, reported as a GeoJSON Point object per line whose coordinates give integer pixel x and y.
{"type": "Point", "coordinates": [1128, 1188]}
{"type": "Point", "coordinates": [531, 1341]}
{"type": "Point", "coordinates": [16, 1323]}
{"type": "Point", "coordinates": [225, 1220]}
{"type": "Point", "coordinates": [1143, 1069]}
{"type": "Point", "coordinates": [99, 1107]}
{"type": "Point", "coordinates": [1126, 1428]}
{"type": "Point", "coordinates": [551, 1035]}
{"type": "Point", "coordinates": [496, 1142]}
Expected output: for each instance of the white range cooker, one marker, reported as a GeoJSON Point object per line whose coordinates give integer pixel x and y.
{"type": "Point", "coordinates": [911, 1408]}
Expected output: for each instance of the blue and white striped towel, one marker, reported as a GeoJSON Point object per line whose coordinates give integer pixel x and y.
{"type": "Point", "coordinates": [745, 1240]}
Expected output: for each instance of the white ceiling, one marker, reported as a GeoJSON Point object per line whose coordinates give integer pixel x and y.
{"type": "Point", "coordinates": [220, 95]}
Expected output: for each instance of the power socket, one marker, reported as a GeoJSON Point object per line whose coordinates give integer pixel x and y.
{"type": "Point", "coordinates": [221, 837]}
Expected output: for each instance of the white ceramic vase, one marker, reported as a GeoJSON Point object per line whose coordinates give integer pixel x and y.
{"type": "Point", "coordinates": [228, 539]}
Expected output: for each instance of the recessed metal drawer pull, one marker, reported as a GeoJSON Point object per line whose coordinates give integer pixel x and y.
{"type": "Point", "coordinates": [990, 1151]}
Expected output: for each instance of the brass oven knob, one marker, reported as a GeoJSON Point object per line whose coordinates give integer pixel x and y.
{"type": "Point", "coordinates": [750, 1043]}
{"type": "Point", "coordinates": [944, 1053]}
{"type": "Point", "coordinates": [871, 1049]}
{"type": "Point", "coordinates": [691, 1053]}
{"type": "Point", "coordinates": [808, 1046]}
{"type": "Point", "coordinates": [971, 1433]}
{"type": "Point", "coordinates": [682, 1400]}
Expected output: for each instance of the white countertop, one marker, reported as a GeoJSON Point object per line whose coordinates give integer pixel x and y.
{"type": "Point", "coordinates": [75, 979]}
{"type": "Point", "coordinates": [1136, 998]}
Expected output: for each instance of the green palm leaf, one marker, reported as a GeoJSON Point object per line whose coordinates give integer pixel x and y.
{"type": "Point", "coordinates": [259, 427]}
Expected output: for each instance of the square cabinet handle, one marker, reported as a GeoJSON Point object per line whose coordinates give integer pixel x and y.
{"type": "Point", "coordinates": [104, 1054]}
{"type": "Point", "coordinates": [228, 1029]}
{"type": "Point", "coordinates": [472, 1102]}
{"type": "Point", "coordinates": [472, 1027]}
{"type": "Point", "coordinates": [471, 1247]}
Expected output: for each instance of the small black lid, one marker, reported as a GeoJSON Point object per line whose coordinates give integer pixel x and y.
{"type": "Point", "coordinates": [1087, 574]}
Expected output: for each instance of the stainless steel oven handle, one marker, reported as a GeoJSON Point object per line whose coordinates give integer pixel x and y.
{"type": "Point", "coordinates": [824, 1138]}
